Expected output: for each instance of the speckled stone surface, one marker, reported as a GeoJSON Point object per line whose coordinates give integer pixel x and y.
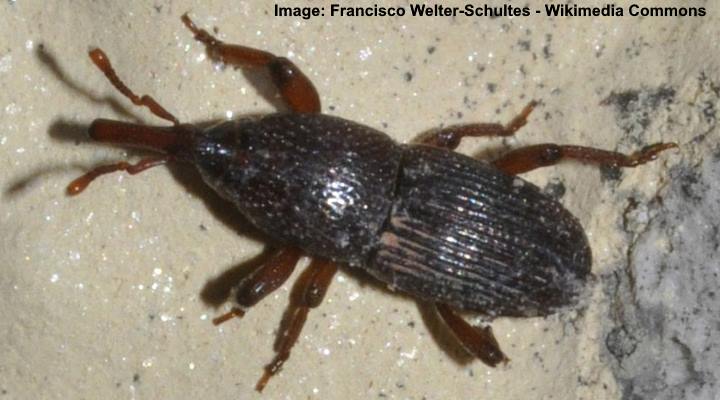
{"type": "Point", "coordinates": [110, 294]}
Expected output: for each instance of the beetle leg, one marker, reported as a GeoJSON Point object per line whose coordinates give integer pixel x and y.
{"type": "Point", "coordinates": [101, 60]}
{"type": "Point", "coordinates": [479, 341]}
{"type": "Point", "coordinates": [450, 137]}
{"type": "Point", "coordinates": [296, 89]}
{"type": "Point", "coordinates": [531, 157]}
{"type": "Point", "coordinates": [79, 184]}
{"type": "Point", "coordinates": [263, 281]}
{"type": "Point", "coordinates": [307, 293]}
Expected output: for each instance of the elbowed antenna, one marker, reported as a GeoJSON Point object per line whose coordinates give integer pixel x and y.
{"type": "Point", "coordinates": [102, 61]}
{"type": "Point", "coordinates": [173, 141]}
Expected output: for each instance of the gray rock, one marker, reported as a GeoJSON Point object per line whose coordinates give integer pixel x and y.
{"type": "Point", "coordinates": [664, 342]}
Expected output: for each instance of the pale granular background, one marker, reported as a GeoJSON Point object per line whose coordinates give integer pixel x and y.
{"type": "Point", "coordinates": [101, 295]}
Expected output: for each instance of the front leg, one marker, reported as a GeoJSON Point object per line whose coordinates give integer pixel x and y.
{"type": "Point", "coordinates": [262, 281]}
{"type": "Point", "coordinates": [296, 89]}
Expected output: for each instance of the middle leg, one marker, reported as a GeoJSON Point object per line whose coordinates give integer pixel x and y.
{"type": "Point", "coordinates": [308, 292]}
{"type": "Point", "coordinates": [450, 137]}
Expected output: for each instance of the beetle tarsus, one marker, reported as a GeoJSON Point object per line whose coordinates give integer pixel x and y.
{"type": "Point", "coordinates": [234, 312]}
{"type": "Point", "coordinates": [521, 119]}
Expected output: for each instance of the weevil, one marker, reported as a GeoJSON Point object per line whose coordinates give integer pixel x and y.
{"type": "Point", "coordinates": [456, 232]}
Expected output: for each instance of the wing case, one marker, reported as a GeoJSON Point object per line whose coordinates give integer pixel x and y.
{"type": "Point", "coordinates": [464, 233]}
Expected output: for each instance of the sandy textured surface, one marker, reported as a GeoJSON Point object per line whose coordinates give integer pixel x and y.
{"type": "Point", "coordinates": [106, 295]}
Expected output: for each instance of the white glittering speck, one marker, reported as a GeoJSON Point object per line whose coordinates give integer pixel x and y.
{"type": "Point", "coordinates": [365, 53]}
{"type": "Point", "coordinates": [54, 278]}
{"type": "Point", "coordinates": [5, 63]}
{"type": "Point", "coordinates": [410, 355]}
{"type": "Point", "coordinates": [12, 108]}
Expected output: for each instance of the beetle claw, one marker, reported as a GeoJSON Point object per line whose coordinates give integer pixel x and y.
{"type": "Point", "coordinates": [235, 312]}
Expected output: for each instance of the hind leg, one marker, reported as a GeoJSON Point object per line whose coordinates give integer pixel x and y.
{"type": "Point", "coordinates": [479, 341]}
{"type": "Point", "coordinates": [529, 158]}
{"type": "Point", "coordinates": [296, 89]}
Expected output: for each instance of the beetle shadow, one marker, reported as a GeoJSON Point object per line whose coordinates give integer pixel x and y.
{"type": "Point", "coordinates": [439, 331]}
{"type": "Point", "coordinates": [491, 153]}
{"type": "Point", "coordinates": [50, 63]}
{"type": "Point", "coordinates": [61, 130]}
{"type": "Point", "coordinates": [66, 130]}
{"type": "Point", "coordinates": [260, 79]}
{"type": "Point", "coordinates": [18, 185]}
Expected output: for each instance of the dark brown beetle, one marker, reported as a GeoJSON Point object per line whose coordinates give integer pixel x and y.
{"type": "Point", "coordinates": [436, 225]}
